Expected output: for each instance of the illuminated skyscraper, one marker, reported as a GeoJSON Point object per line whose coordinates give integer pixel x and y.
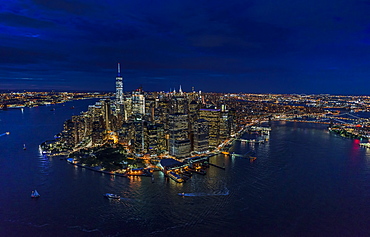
{"type": "Point", "coordinates": [224, 126]}
{"type": "Point", "coordinates": [201, 135]}
{"type": "Point", "coordinates": [119, 87]}
{"type": "Point", "coordinates": [138, 102]}
{"type": "Point", "coordinates": [156, 138]}
{"type": "Point", "coordinates": [107, 114]}
{"type": "Point", "coordinates": [213, 117]}
{"type": "Point", "coordinates": [179, 143]}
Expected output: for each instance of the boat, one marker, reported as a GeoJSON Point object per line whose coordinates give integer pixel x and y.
{"type": "Point", "coordinates": [111, 196]}
{"type": "Point", "coordinates": [35, 194]}
{"type": "Point", "coordinates": [190, 194]}
{"type": "Point", "coordinates": [24, 147]}
{"type": "Point", "coordinates": [175, 177]}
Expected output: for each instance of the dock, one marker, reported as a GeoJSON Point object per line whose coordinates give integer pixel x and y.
{"type": "Point", "coordinates": [365, 144]}
{"type": "Point", "coordinates": [223, 168]}
{"type": "Point", "coordinates": [70, 161]}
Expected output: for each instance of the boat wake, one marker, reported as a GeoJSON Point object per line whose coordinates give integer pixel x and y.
{"type": "Point", "coordinates": [200, 194]}
{"type": "Point", "coordinates": [83, 229]}
{"type": "Point", "coordinates": [169, 228]}
{"type": "Point", "coordinates": [129, 199]}
{"type": "Point", "coordinates": [5, 133]}
{"type": "Point", "coordinates": [27, 223]}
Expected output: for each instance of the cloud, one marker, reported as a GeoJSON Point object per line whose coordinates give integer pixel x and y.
{"type": "Point", "coordinates": [27, 56]}
{"type": "Point", "coordinates": [73, 7]}
{"type": "Point", "coordinates": [16, 20]}
{"type": "Point", "coordinates": [160, 43]}
{"type": "Point", "coordinates": [22, 79]}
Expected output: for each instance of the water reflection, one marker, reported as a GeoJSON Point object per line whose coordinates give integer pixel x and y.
{"type": "Point", "coordinates": [44, 164]}
{"type": "Point", "coordinates": [367, 151]}
{"type": "Point", "coordinates": [354, 155]}
{"type": "Point", "coordinates": [134, 184]}
{"type": "Point", "coordinates": [76, 172]}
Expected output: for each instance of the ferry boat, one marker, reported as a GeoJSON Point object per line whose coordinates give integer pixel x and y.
{"type": "Point", "coordinates": [111, 196]}
{"type": "Point", "coordinates": [175, 177]}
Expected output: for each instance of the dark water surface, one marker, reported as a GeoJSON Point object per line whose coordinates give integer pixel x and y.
{"type": "Point", "coordinates": [305, 182]}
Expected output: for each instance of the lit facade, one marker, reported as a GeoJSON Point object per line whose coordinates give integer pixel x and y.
{"type": "Point", "coordinates": [138, 102]}
{"type": "Point", "coordinates": [119, 87]}
{"type": "Point", "coordinates": [201, 135]}
{"type": "Point", "coordinates": [179, 143]}
{"type": "Point", "coordinates": [213, 118]}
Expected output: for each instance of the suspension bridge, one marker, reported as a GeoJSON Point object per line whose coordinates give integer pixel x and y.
{"type": "Point", "coordinates": [337, 119]}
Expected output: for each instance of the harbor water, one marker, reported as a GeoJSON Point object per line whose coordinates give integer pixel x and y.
{"type": "Point", "coordinates": [304, 182]}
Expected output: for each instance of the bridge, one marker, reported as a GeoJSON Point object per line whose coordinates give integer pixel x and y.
{"type": "Point", "coordinates": [337, 119]}
{"type": "Point", "coordinates": [345, 119]}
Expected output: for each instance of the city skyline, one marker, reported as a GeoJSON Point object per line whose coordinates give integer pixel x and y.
{"type": "Point", "coordinates": [165, 157]}
{"type": "Point", "coordinates": [239, 46]}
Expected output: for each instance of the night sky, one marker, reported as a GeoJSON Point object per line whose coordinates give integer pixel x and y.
{"type": "Point", "coordinates": [254, 46]}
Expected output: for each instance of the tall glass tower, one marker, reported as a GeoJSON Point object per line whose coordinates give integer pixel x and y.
{"type": "Point", "coordinates": [119, 87]}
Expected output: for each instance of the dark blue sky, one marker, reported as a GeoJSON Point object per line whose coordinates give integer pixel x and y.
{"type": "Point", "coordinates": [257, 46]}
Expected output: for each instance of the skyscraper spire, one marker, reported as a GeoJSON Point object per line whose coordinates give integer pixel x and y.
{"type": "Point", "coordinates": [119, 70]}
{"type": "Point", "coordinates": [180, 90]}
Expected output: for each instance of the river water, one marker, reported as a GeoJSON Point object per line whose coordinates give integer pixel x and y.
{"type": "Point", "coordinates": [305, 182]}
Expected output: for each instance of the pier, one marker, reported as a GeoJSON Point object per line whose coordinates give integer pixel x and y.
{"type": "Point", "coordinates": [365, 144]}
{"type": "Point", "coordinates": [252, 140]}
{"type": "Point", "coordinates": [72, 162]}
{"type": "Point", "coordinates": [217, 166]}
